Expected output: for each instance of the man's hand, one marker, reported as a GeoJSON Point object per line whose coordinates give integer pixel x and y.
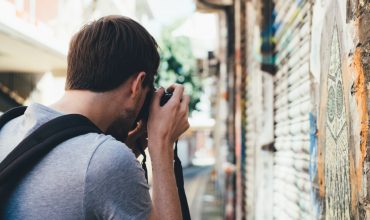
{"type": "Point", "coordinates": [137, 138]}
{"type": "Point", "coordinates": [166, 123]}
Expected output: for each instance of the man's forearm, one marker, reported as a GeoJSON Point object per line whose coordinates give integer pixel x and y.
{"type": "Point", "coordinates": [165, 125]}
{"type": "Point", "coordinates": [166, 203]}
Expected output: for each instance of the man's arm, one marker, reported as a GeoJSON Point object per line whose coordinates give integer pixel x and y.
{"type": "Point", "coordinates": [165, 125]}
{"type": "Point", "coordinates": [166, 203]}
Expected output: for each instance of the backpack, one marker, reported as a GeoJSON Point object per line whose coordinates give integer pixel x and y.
{"type": "Point", "coordinates": [49, 135]}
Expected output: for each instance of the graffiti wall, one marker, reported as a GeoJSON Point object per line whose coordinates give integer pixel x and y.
{"type": "Point", "coordinates": [339, 45]}
{"type": "Point", "coordinates": [321, 89]}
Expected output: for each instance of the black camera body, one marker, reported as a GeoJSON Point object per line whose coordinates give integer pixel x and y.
{"type": "Point", "coordinates": [144, 113]}
{"type": "Point", "coordinates": [164, 99]}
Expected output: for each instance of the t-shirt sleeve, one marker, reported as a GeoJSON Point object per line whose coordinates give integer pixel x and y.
{"type": "Point", "coordinates": [115, 185]}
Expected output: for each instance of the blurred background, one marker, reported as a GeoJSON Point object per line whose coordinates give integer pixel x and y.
{"type": "Point", "coordinates": [279, 94]}
{"type": "Point", "coordinates": [34, 39]}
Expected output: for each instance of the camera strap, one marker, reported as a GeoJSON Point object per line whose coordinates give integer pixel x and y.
{"type": "Point", "coordinates": [143, 162]}
{"type": "Point", "coordinates": [180, 186]}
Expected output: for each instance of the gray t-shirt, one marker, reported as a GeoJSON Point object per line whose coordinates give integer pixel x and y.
{"type": "Point", "coordinates": [92, 176]}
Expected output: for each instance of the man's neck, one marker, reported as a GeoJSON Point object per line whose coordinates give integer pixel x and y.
{"type": "Point", "coordinates": [98, 107]}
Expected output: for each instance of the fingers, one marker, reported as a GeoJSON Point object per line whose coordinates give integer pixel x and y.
{"type": "Point", "coordinates": [177, 92]}
{"type": "Point", "coordinates": [184, 111]}
{"type": "Point", "coordinates": [137, 130]}
{"type": "Point", "coordinates": [157, 96]}
{"type": "Point", "coordinates": [185, 103]}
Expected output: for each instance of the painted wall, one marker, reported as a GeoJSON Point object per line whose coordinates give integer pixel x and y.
{"type": "Point", "coordinates": [292, 104]}
{"type": "Point", "coordinates": [340, 71]}
{"type": "Point", "coordinates": [320, 169]}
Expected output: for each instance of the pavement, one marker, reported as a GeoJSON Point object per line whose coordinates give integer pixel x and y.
{"type": "Point", "coordinates": [203, 199]}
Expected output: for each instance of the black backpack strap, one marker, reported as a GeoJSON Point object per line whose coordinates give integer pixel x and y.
{"type": "Point", "coordinates": [11, 114]}
{"type": "Point", "coordinates": [34, 147]}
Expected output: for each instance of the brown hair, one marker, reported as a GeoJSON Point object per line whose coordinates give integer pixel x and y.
{"type": "Point", "coordinates": [106, 52]}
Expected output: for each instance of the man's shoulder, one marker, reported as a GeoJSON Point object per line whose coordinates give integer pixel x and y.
{"type": "Point", "coordinates": [109, 155]}
{"type": "Point", "coordinates": [104, 147]}
{"type": "Point", "coordinates": [110, 148]}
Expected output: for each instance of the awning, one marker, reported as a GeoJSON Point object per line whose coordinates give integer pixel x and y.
{"type": "Point", "coordinates": [24, 49]}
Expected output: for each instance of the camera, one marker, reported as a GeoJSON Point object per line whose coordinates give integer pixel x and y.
{"type": "Point", "coordinates": [164, 99]}
{"type": "Point", "coordinates": [144, 112]}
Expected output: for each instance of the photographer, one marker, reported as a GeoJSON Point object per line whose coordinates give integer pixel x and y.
{"type": "Point", "coordinates": [112, 63]}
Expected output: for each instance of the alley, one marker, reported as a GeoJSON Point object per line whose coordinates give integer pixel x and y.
{"type": "Point", "coordinates": [201, 195]}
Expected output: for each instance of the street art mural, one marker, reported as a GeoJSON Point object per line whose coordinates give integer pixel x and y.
{"type": "Point", "coordinates": [342, 122]}
{"type": "Point", "coordinates": [321, 105]}
{"type": "Point", "coordinates": [337, 187]}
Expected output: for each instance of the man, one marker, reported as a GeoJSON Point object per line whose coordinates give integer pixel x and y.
{"type": "Point", "coordinates": [111, 67]}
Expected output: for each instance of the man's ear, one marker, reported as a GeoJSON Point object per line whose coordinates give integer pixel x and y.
{"type": "Point", "coordinates": [137, 83]}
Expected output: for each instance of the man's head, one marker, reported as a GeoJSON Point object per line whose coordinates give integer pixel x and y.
{"type": "Point", "coordinates": [114, 56]}
{"type": "Point", "coordinates": [106, 52]}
